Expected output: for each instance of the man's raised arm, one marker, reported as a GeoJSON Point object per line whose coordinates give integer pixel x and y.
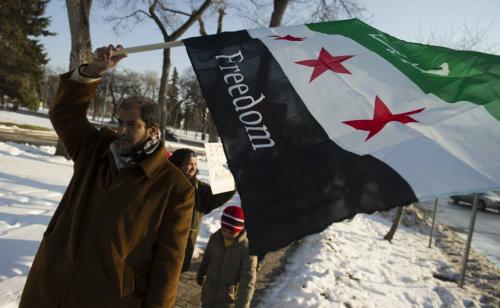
{"type": "Point", "coordinates": [76, 89]}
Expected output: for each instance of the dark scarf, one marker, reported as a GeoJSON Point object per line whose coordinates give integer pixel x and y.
{"type": "Point", "coordinates": [136, 155]}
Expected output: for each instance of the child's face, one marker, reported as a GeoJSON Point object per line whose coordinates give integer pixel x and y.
{"type": "Point", "coordinates": [228, 234]}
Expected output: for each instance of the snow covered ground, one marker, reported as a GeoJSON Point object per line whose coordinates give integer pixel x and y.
{"type": "Point", "coordinates": [347, 265]}
{"type": "Point", "coordinates": [20, 119]}
{"type": "Point", "coordinates": [32, 182]}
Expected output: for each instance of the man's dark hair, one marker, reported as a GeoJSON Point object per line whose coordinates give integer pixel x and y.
{"type": "Point", "coordinates": [150, 111]}
{"type": "Point", "coordinates": [180, 156]}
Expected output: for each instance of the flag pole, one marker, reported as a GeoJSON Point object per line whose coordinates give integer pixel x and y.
{"type": "Point", "coordinates": [150, 47]}
{"type": "Point", "coordinates": [469, 240]}
{"type": "Point", "coordinates": [433, 221]}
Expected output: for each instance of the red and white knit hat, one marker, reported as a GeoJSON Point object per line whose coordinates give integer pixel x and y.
{"type": "Point", "coordinates": [233, 219]}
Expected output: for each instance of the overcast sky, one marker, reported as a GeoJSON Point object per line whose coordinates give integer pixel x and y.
{"type": "Point", "coordinates": [408, 20]}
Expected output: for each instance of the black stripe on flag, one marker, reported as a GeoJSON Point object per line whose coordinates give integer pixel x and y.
{"type": "Point", "coordinates": [297, 181]}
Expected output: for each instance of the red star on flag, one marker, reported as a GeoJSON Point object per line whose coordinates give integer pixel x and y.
{"type": "Point", "coordinates": [288, 37]}
{"type": "Point", "coordinates": [381, 116]}
{"type": "Point", "coordinates": [326, 62]}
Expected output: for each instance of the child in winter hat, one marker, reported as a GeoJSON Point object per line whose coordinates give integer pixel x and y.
{"type": "Point", "coordinates": [227, 264]}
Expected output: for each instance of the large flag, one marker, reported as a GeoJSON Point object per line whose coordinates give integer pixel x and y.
{"type": "Point", "coordinates": [323, 121]}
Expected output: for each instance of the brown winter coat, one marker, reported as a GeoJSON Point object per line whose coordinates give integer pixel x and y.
{"type": "Point", "coordinates": [230, 273]}
{"type": "Point", "coordinates": [117, 238]}
{"type": "Point", "coordinates": [204, 203]}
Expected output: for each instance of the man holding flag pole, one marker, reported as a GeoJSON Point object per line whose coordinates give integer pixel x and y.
{"type": "Point", "coordinates": [118, 236]}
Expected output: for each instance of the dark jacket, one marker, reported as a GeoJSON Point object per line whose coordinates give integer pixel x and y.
{"type": "Point", "coordinates": [205, 202]}
{"type": "Point", "coordinates": [230, 273]}
{"type": "Point", "coordinates": [117, 237]}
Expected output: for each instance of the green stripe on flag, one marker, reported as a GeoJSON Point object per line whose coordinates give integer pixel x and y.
{"type": "Point", "coordinates": [449, 74]}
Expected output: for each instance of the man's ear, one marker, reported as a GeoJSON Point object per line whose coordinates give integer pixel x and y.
{"type": "Point", "coordinates": [154, 130]}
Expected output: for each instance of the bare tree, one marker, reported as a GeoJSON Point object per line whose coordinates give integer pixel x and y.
{"type": "Point", "coordinates": [324, 10]}
{"type": "Point", "coordinates": [116, 85]}
{"type": "Point", "coordinates": [150, 84]}
{"type": "Point", "coordinates": [172, 19]}
{"type": "Point", "coordinates": [192, 100]}
{"type": "Point", "coordinates": [279, 7]}
{"type": "Point", "coordinates": [49, 85]}
{"type": "Point", "coordinates": [78, 16]}
{"type": "Point", "coordinates": [208, 123]}
{"type": "Point", "coordinates": [464, 37]}
{"type": "Point", "coordinates": [122, 84]}
{"type": "Point", "coordinates": [299, 11]}
{"type": "Point", "coordinates": [81, 48]}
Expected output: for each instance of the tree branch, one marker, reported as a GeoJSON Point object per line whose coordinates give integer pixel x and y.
{"type": "Point", "coordinates": [348, 11]}
{"type": "Point", "coordinates": [219, 19]}
{"type": "Point", "coordinates": [173, 11]}
{"type": "Point", "coordinates": [115, 18]}
{"type": "Point", "coordinates": [203, 31]}
{"type": "Point", "coordinates": [157, 20]}
{"type": "Point", "coordinates": [194, 16]}
{"type": "Point", "coordinates": [278, 12]}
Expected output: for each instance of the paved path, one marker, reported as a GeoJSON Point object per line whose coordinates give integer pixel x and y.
{"type": "Point", "coordinates": [486, 238]}
{"type": "Point", "coordinates": [189, 292]}
{"type": "Point", "coordinates": [32, 137]}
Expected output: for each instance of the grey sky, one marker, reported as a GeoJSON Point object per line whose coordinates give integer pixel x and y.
{"type": "Point", "coordinates": [409, 20]}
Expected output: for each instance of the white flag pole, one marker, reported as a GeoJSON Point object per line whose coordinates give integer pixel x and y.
{"type": "Point", "coordinates": [149, 47]}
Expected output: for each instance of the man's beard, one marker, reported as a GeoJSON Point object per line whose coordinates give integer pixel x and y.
{"type": "Point", "coordinates": [135, 148]}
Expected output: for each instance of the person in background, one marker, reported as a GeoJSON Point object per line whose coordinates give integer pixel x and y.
{"type": "Point", "coordinates": [117, 237]}
{"type": "Point", "coordinates": [205, 201]}
{"type": "Point", "coordinates": [229, 268]}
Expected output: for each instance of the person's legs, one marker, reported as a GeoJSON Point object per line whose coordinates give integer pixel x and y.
{"type": "Point", "coordinates": [188, 256]}
{"type": "Point", "coordinates": [260, 259]}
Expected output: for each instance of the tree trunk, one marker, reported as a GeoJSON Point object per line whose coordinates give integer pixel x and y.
{"type": "Point", "coordinates": [205, 129]}
{"type": "Point", "coordinates": [212, 131]}
{"type": "Point", "coordinates": [395, 224]}
{"type": "Point", "coordinates": [222, 12]}
{"type": "Point", "coordinates": [81, 49]}
{"type": "Point", "coordinates": [78, 15]}
{"type": "Point", "coordinates": [162, 94]}
{"type": "Point", "coordinates": [278, 12]}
